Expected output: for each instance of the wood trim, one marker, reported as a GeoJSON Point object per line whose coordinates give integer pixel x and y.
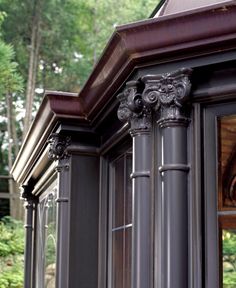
{"type": "Point", "coordinates": [145, 43]}
{"type": "Point", "coordinates": [227, 221]}
{"type": "Point", "coordinates": [138, 44]}
{"type": "Point", "coordinates": [56, 105]}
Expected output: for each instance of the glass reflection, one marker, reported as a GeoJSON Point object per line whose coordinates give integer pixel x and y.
{"type": "Point", "coordinates": [227, 161]}
{"type": "Point", "coordinates": [229, 258]}
{"type": "Point", "coordinates": [46, 242]}
{"type": "Point", "coordinates": [121, 223]}
{"type": "Point", "coordinates": [50, 243]}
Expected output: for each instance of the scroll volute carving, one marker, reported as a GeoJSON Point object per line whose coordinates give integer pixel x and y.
{"type": "Point", "coordinates": [167, 93]}
{"type": "Point", "coordinates": [161, 94]}
{"type": "Point", "coordinates": [133, 110]}
{"type": "Point", "coordinates": [57, 146]}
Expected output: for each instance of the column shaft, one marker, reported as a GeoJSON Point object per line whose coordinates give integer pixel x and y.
{"type": "Point", "coordinates": [28, 254]}
{"type": "Point", "coordinates": [175, 207]}
{"type": "Point", "coordinates": [141, 238]}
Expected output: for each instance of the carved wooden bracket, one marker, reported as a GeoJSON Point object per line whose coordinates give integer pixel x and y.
{"type": "Point", "coordinates": [26, 195]}
{"type": "Point", "coordinates": [58, 144]}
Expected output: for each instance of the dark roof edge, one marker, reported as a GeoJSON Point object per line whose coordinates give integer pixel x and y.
{"type": "Point", "coordinates": [206, 30]}
{"type": "Point", "coordinates": [134, 44]}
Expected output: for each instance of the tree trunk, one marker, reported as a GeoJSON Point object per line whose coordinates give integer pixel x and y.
{"type": "Point", "coordinates": [33, 63]}
{"type": "Point", "coordinates": [16, 207]}
{"type": "Point", "coordinates": [95, 31]}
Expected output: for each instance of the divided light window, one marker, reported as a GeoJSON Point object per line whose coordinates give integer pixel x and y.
{"type": "Point", "coordinates": [120, 226]}
{"type": "Point", "coordinates": [46, 241]}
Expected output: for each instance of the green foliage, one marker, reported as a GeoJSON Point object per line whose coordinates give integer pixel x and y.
{"type": "Point", "coordinates": [51, 244]}
{"type": "Point", "coordinates": [11, 253]}
{"type": "Point", "coordinates": [73, 35]}
{"type": "Point", "coordinates": [13, 276]}
{"type": "Point", "coordinates": [10, 80]}
{"type": "Point", "coordinates": [229, 258]}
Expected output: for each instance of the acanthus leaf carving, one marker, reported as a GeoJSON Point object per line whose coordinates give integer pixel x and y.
{"type": "Point", "coordinates": [167, 94]}
{"type": "Point", "coordinates": [57, 146]}
{"type": "Point", "coordinates": [133, 110]}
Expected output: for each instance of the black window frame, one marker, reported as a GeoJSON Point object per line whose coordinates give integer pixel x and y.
{"type": "Point", "coordinates": [210, 115]}
{"type": "Point", "coordinates": [124, 145]}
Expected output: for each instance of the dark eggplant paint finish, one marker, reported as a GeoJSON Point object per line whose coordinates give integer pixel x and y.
{"type": "Point", "coordinates": [141, 237]}
{"type": "Point", "coordinates": [63, 222]}
{"type": "Point", "coordinates": [83, 244]}
{"type": "Point", "coordinates": [177, 161]}
{"type": "Point", "coordinates": [29, 213]}
{"type": "Point", "coordinates": [175, 209]}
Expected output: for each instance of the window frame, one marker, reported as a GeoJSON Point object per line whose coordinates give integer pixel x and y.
{"type": "Point", "coordinates": [111, 176]}
{"type": "Point", "coordinates": [212, 214]}
{"type": "Point", "coordinates": [113, 152]}
{"type": "Point", "coordinates": [44, 192]}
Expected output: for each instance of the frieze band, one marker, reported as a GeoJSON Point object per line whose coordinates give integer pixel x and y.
{"type": "Point", "coordinates": [163, 95]}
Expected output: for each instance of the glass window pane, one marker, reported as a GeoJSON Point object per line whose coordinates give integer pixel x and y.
{"type": "Point", "coordinates": [127, 257]}
{"type": "Point", "coordinates": [229, 257]}
{"type": "Point", "coordinates": [50, 243]}
{"type": "Point", "coordinates": [117, 259]}
{"type": "Point", "coordinates": [121, 258]}
{"type": "Point", "coordinates": [128, 190]}
{"type": "Point", "coordinates": [118, 195]}
{"type": "Point", "coordinates": [46, 239]}
{"type": "Point", "coordinates": [121, 232]}
{"type": "Point", "coordinates": [227, 162]}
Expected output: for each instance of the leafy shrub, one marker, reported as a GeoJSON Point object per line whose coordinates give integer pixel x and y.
{"type": "Point", "coordinates": [11, 253]}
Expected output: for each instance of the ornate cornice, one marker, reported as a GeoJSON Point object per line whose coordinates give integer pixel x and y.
{"type": "Point", "coordinates": [133, 110]}
{"type": "Point", "coordinates": [167, 94]}
{"type": "Point", "coordinates": [57, 146]}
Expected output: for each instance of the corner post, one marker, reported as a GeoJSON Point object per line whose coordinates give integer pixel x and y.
{"type": "Point", "coordinates": [58, 152]}
{"type": "Point", "coordinates": [133, 110]}
{"type": "Point", "coordinates": [30, 203]}
{"type": "Point", "coordinates": [167, 94]}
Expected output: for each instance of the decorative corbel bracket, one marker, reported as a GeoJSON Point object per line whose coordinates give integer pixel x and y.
{"type": "Point", "coordinates": [133, 110]}
{"type": "Point", "coordinates": [57, 146]}
{"type": "Point", "coordinates": [166, 94]}
{"type": "Point", "coordinates": [26, 195]}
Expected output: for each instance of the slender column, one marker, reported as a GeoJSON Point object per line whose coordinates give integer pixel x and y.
{"type": "Point", "coordinates": [30, 202]}
{"type": "Point", "coordinates": [139, 116]}
{"type": "Point", "coordinates": [166, 94]}
{"type": "Point", "coordinates": [58, 151]}
{"type": "Point", "coordinates": [63, 231]}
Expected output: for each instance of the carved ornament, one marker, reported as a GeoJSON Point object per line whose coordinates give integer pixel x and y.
{"type": "Point", "coordinates": [57, 146]}
{"type": "Point", "coordinates": [133, 110]}
{"type": "Point", "coordinates": [26, 194]}
{"type": "Point", "coordinates": [166, 94]}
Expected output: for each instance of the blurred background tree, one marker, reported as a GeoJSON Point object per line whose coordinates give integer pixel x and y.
{"type": "Point", "coordinates": [44, 44]}
{"type": "Point", "coordinates": [53, 45]}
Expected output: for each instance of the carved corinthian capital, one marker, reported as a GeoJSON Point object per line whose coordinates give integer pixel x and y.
{"type": "Point", "coordinates": [167, 93]}
{"type": "Point", "coordinates": [133, 110]}
{"type": "Point", "coordinates": [57, 146]}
